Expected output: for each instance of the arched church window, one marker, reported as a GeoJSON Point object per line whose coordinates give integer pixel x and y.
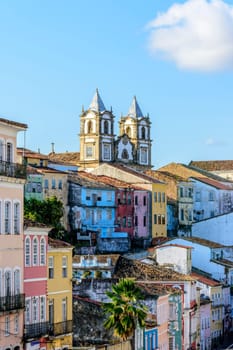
{"type": "Point", "coordinates": [105, 127]}
{"type": "Point", "coordinates": [128, 131]}
{"type": "Point", "coordinates": [125, 154]}
{"type": "Point", "coordinates": [143, 133]}
{"type": "Point", "coordinates": [89, 127]}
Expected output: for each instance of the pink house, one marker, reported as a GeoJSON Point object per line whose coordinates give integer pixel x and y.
{"type": "Point", "coordinates": [142, 223]}
{"type": "Point", "coordinates": [35, 285]}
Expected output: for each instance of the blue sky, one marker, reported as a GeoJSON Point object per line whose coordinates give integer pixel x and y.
{"type": "Point", "coordinates": [175, 56]}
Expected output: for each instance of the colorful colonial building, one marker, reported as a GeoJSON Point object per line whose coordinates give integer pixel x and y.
{"type": "Point", "coordinates": [12, 178]}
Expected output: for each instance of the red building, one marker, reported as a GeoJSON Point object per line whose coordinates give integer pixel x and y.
{"type": "Point", "coordinates": [35, 285]}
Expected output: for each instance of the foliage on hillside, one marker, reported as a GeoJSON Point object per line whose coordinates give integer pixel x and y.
{"type": "Point", "coordinates": [47, 212]}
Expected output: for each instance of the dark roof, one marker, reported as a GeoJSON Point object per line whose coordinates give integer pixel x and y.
{"type": "Point", "coordinates": [10, 122]}
{"type": "Point", "coordinates": [71, 158]}
{"type": "Point", "coordinates": [213, 165]}
{"type": "Point", "coordinates": [83, 179]}
{"type": "Point", "coordinates": [57, 243]}
{"type": "Point", "coordinates": [145, 272]}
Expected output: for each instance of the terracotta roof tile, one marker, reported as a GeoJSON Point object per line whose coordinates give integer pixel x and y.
{"type": "Point", "coordinates": [206, 280]}
{"type": "Point", "coordinates": [213, 165]}
{"type": "Point", "coordinates": [66, 157]}
{"type": "Point", "coordinates": [213, 183]}
{"type": "Point", "coordinates": [57, 243]}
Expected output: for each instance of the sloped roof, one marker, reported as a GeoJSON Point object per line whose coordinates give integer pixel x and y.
{"type": "Point", "coordinates": [97, 104]}
{"type": "Point", "coordinates": [145, 272]}
{"type": "Point", "coordinates": [82, 179]}
{"type": "Point", "coordinates": [57, 243]}
{"type": "Point", "coordinates": [64, 158]}
{"type": "Point", "coordinates": [27, 153]}
{"type": "Point", "coordinates": [135, 110]}
{"type": "Point", "coordinates": [13, 123]}
{"type": "Point", "coordinates": [213, 165]}
{"type": "Point", "coordinates": [204, 242]}
{"type": "Point", "coordinates": [206, 280]}
{"type": "Point", "coordinates": [214, 183]}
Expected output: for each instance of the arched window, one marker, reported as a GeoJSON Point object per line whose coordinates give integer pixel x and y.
{"type": "Point", "coordinates": [27, 251]}
{"type": "Point", "coordinates": [16, 218]}
{"type": "Point", "coordinates": [7, 217]}
{"type": "Point", "coordinates": [89, 127]}
{"type": "Point", "coordinates": [16, 282]}
{"type": "Point", "coordinates": [143, 133]}
{"type": "Point", "coordinates": [125, 154]}
{"type": "Point", "coordinates": [42, 251]}
{"type": "Point", "coordinates": [128, 131]}
{"type": "Point", "coordinates": [7, 282]}
{"type": "Point", "coordinates": [106, 127]}
{"type": "Point", "coordinates": [35, 251]}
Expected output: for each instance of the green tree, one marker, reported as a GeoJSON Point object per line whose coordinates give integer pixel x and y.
{"type": "Point", "coordinates": [125, 311]}
{"type": "Point", "coordinates": [48, 212]}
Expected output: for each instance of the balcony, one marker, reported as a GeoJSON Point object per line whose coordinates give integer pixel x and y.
{"type": "Point", "coordinates": [12, 302]}
{"type": "Point", "coordinates": [36, 330]}
{"type": "Point", "coordinates": [61, 328]}
{"type": "Point", "coordinates": [13, 170]}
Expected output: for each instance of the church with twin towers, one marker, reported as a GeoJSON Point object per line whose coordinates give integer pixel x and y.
{"type": "Point", "coordinates": [99, 144]}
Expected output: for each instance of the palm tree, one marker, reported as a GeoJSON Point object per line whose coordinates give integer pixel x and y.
{"type": "Point", "coordinates": [125, 311]}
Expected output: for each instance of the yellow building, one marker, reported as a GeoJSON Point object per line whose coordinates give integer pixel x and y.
{"type": "Point", "coordinates": [159, 210]}
{"type": "Point", "coordinates": [59, 302]}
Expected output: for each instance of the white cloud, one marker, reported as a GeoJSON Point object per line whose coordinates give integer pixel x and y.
{"type": "Point", "coordinates": [196, 35]}
{"type": "Point", "coordinates": [212, 142]}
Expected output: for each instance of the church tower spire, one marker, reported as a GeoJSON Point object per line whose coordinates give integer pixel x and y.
{"type": "Point", "coordinates": [135, 110]}
{"type": "Point", "coordinates": [96, 134]}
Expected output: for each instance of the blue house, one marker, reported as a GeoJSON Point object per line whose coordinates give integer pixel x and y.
{"type": "Point", "coordinates": [92, 213]}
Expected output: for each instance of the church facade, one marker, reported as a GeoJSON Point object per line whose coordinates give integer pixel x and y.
{"type": "Point", "coordinates": [99, 144]}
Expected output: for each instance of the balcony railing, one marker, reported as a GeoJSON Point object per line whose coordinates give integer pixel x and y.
{"type": "Point", "coordinates": [12, 302]}
{"type": "Point", "coordinates": [61, 328]}
{"type": "Point", "coordinates": [36, 330]}
{"type": "Point", "coordinates": [13, 170]}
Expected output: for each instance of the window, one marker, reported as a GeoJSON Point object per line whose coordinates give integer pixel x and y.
{"type": "Point", "coordinates": [107, 152]}
{"type": "Point", "coordinates": [182, 214]}
{"type": "Point", "coordinates": [64, 309]}
{"type": "Point", "coordinates": [16, 324]}
{"type": "Point", "coordinates": [9, 152]}
{"type": "Point", "coordinates": [7, 217]}
{"type": "Point", "coordinates": [163, 197]}
{"type": "Point", "coordinates": [53, 184]}
{"type": "Point", "coordinates": [16, 218]}
{"type": "Point", "coordinates": [46, 184]}
{"type": "Point", "coordinates": [143, 133]}
{"type": "Point", "coordinates": [118, 198]}
{"type": "Point", "coordinates": [129, 219]}
{"type": "Point", "coordinates": [7, 282]}
{"type": "Point", "coordinates": [27, 311]}
{"type": "Point", "coordinates": [136, 220]}
{"type": "Point", "coordinates": [144, 200]}
{"type": "Point", "coordinates": [129, 199]}
{"type": "Point", "coordinates": [155, 197]}
{"type": "Point", "coordinates": [105, 127]}
{"type": "Point", "coordinates": [136, 200]}
{"type": "Point", "coordinates": [144, 221]}
{"type": "Point", "coordinates": [7, 326]}
{"type": "Point", "coordinates": [144, 155]}
{"type": "Point", "coordinates": [88, 214]}
{"type": "Point", "coordinates": [51, 312]}
{"type": "Point", "coordinates": [64, 266]}
{"type": "Point", "coordinates": [163, 219]}
{"type": "Point", "coordinates": [99, 214]}
{"type": "Point", "coordinates": [125, 154]}
{"type": "Point", "coordinates": [60, 184]}
{"type": "Point", "coordinates": [88, 195]}
{"type": "Point", "coordinates": [159, 219]}
{"type": "Point", "coordinates": [109, 214]}
{"type": "Point", "coordinates": [27, 251]}
{"type": "Point", "coordinates": [181, 192]}
{"type": "Point", "coordinates": [35, 310]}
{"type": "Point", "coordinates": [159, 197]}
{"type": "Point", "coordinates": [89, 151]}
{"type": "Point", "coordinates": [42, 308]}
{"type": "Point", "coordinates": [155, 219]}
{"type": "Point", "coordinates": [42, 251]}
{"type": "Point", "coordinates": [211, 196]}
{"type": "Point", "coordinates": [124, 221]}
{"type": "Point", "coordinates": [1, 150]}
{"type": "Point", "coordinates": [51, 267]}
{"type": "Point", "coordinates": [190, 192]}
{"type": "Point", "coordinates": [128, 131]}
{"type": "Point", "coordinates": [35, 251]}
{"type": "Point", "coordinates": [16, 282]}
{"type": "Point", "coordinates": [109, 196]}
{"type": "Point", "coordinates": [198, 196]}
{"type": "Point", "coordinates": [89, 127]}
